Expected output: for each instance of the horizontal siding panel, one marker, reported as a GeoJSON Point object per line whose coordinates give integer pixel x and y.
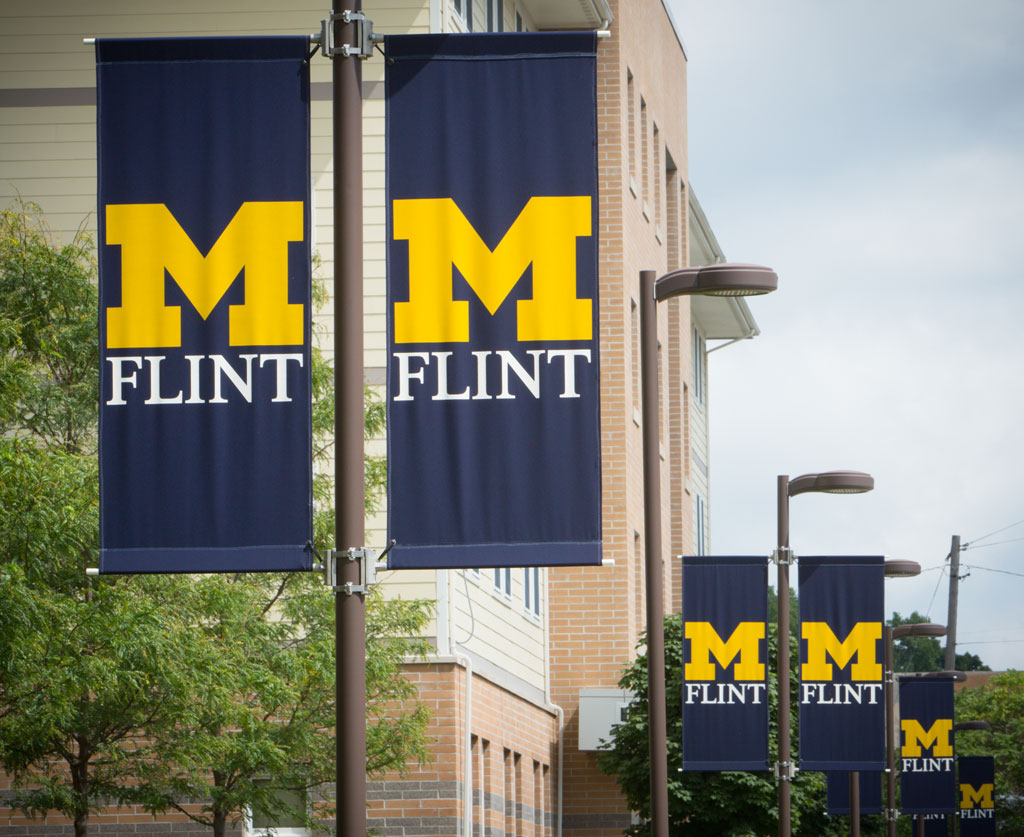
{"type": "Point", "coordinates": [28, 152]}
{"type": "Point", "coordinates": [176, 23]}
{"type": "Point", "coordinates": [84, 115]}
{"type": "Point", "coordinates": [17, 170]}
{"type": "Point", "coordinates": [51, 132]}
{"type": "Point", "coordinates": [65, 8]}
{"type": "Point", "coordinates": [43, 187]}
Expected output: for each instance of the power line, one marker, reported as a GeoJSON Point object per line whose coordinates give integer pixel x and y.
{"type": "Point", "coordinates": [990, 642]}
{"type": "Point", "coordinates": [990, 534]}
{"type": "Point", "coordinates": [936, 590]}
{"type": "Point", "coordinates": [993, 570]}
{"type": "Point", "coordinates": [997, 543]}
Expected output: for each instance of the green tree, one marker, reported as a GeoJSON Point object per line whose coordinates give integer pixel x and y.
{"type": "Point", "coordinates": [922, 653]}
{"type": "Point", "coordinates": [83, 667]}
{"type": "Point", "coordinates": [721, 803]}
{"type": "Point", "coordinates": [254, 733]}
{"type": "Point", "coordinates": [47, 333]}
{"type": "Point", "coordinates": [152, 688]}
{"type": "Point", "coordinates": [1001, 703]}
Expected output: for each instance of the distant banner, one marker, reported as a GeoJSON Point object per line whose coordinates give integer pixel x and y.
{"type": "Point", "coordinates": [927, 780]}
{"type": "Point", "coordinates": [838, 792]}
{"type": "Point", "coordinates": [976, 777]}
{"type": "Point", "coordinates": [204, 195]}
{"type": "Point", "coordinates": [494, 449]}
{"type": "Point", "coordinates": [842, 702]}
{"type": "Point", "coordinates": [935, 825]}
{"type": "Point", "coordinates": [725, 663]}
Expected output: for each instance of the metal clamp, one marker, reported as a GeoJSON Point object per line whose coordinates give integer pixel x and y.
{"type": "Point", "coordinates": [783, 555]}
{"type": "Point", "coordinates": [892, 814]}
{"type": "Point", "coordinates": [367, 570]}
{"type": "Point", "coordinates": [785, 771]}
{"type": "Point", "coordinates": [364, 36]}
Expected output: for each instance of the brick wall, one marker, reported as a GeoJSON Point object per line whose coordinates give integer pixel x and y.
{"type": "Point", "coordinates": [513, 754]}
{"type": "Point", "coordinates": [597, 614]}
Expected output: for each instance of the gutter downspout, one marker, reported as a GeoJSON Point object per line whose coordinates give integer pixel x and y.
{"type": "Point", "coordinates": [559, 712]}
{"type": "Point", "coordinates": [447, 645]}
{"type": "Point", "coordinates": [467, 779]}
{"type": "Point", "coordinates": [604, 12]}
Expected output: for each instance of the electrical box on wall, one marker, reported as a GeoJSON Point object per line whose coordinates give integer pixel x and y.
{"type": "Point", "coordinates": [600, 710]}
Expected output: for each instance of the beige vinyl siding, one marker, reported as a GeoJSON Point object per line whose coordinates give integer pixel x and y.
{"type": "Point", "coordinates": [48, 155]}
{"type": "Point", "coordinates": [501, 631]}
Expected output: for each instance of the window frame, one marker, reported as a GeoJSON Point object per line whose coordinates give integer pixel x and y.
{"type": "Point", "coordinates": [503, 591]}
{"type": "Point", "coordinates": [532, 580]}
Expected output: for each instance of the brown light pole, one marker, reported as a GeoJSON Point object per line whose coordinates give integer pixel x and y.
{"type": "Point", "coordinates": [713, 280]}
{"type": "Point", "coordinates": [889, 635]}
{"type": "Point", "coordinates": [963, 726]}
{"type": "Point", "coordinates": [828, 482]}
{"type": "Point", "coordinates": [896, 569]}
{"type": "Point", "coordinates": [893, 569]}
{"type": "Point", "coordinates": [349, 608]}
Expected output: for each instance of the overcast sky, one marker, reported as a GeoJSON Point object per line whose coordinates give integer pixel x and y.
{"type": "Point", "coordinates": [873, 155]}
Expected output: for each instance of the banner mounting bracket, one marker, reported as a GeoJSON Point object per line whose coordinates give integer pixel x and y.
{"type": "Point", "coordinates": [783, 555]}
{"type": "Point", "coordinates": [364, 37]}
{"type": "Point", "coordinates": [785, 771]}
{"type": "Point", "coordinates": [368, 562]}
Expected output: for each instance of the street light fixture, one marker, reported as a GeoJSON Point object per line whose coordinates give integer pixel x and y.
{"type": "Point", "coordinates": [929, 629]}
{"type": "Point", "coordinates": [967, 725]}
{"type": "Point", "coordinates": [713, 280]}
{"type": "Point", "coordinates": [893, 569]}
{"type": "Point", "coordinates": [828, 482]}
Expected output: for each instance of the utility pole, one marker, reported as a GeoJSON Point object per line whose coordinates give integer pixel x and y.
{"type": "Point", "coordinates": [954, 584]}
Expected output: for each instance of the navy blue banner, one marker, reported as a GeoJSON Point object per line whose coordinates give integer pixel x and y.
{"type": "Point", "coordinates": [725, 663]}
{"type": "Point", "coordinates": [976, 777]}
{"type": "Point", "coordinates": [838, 792]}
{"type": "Point", "coordinates": [842, 700]}
{"type": "Point", "coordinates": [935, 825]}
{"type": "Point", "coordinates": [493, 385]}
{"type": "Point", "coordinates": [204, 196]}
{"type": "Point", "coordinates": [927, 779]}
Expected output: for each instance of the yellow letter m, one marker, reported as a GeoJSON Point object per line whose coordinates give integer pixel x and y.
{"type": "Point", "coordinates": [743, 642]}
{"type": "Point", "coordinates": [256, 239]}
{"type": "Point", "coordinates": [439, 237]}
{"type": "Point", "coordinates": [862, 641]}
{"type": "Point", "coordinates": [915, 737]}
{"type": "Point", "coordinates": [980, 798]}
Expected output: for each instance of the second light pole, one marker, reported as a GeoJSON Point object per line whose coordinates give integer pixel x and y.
{"type": "Point", "coordinates": [713, 280]}
{"type": "Point", "coordinates": [829, 482]}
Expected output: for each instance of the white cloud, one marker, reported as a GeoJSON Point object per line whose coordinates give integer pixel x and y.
{"type": "Point", "coordinates": [874, 156]}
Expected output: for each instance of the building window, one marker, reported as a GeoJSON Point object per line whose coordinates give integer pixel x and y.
{"type": "Point", "coordinates": [509, 765]}
{"type": "Point", "coordinates": [672, 227]}
{"type": "Point", "coordinates": [700, 538]}
{"type": "Point", "coordinates": [684, 241]}
{"type": "Point", "coordinates": [282, 824]}
{"type": "Point", "coordinates": [531, 590]}
{"type": "Point", "coordinates": [495, 15]}
{"type": "Point", "coordinates": [634, 360]}
{"type": "Point", "coordinates": [644, 172]}
{"type": "Point", "coordinates": [639, 591]}
{"type": "Point", "coordinates": [657, 179]}
{"type": "Point", "coordinates": [464, 10]}
{"type": "Point", "coordinates": [631, 128]}
{"type": "Point", "coordinates": [503, 581]}
{"type": "Point", "coordinates": [662, 435]}
{"type": "Point", "coordinates": [699, 351]}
